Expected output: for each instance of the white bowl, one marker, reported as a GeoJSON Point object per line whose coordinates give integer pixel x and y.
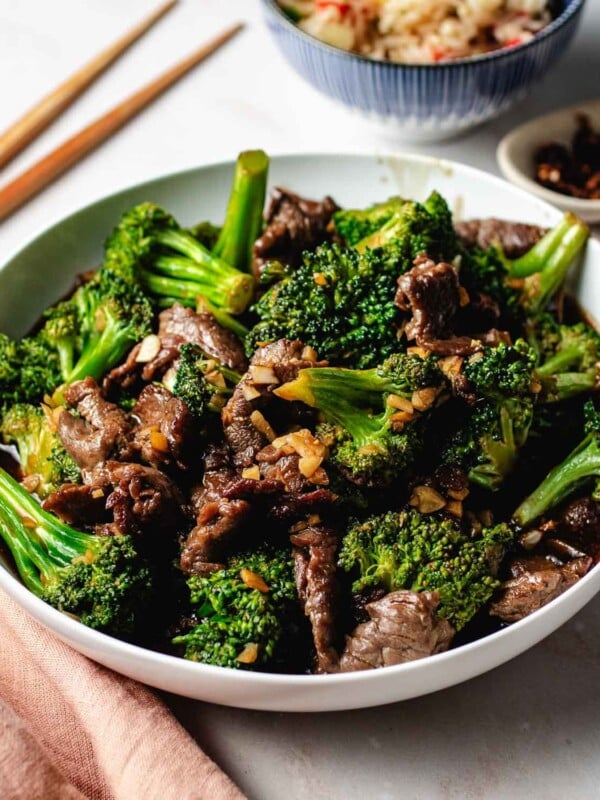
{"type": "Point", "coordinates": [43, 269]}
{"type": "Point", "coordinates": [516, 155]}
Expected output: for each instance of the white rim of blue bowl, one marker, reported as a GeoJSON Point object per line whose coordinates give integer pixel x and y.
{"type": "Point", "coordinates": [279, 14]}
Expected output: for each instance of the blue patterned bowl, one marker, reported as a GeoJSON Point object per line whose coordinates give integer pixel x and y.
{"type": "Point", "coordinates": [425, 101]}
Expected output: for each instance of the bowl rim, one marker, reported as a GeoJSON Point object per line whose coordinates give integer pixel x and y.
{"type": "Point", "coordinates": [504, 156]}
{"type": "Point", "coordinates": [575, 6]}
{"type": "Point", "coordinates": [72, 630]}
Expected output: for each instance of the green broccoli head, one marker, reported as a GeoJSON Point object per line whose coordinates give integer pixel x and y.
{"type": "Point", "coordinates": [102, 580]}
{"type": "Point", "coordinates": [568, 358]}
{"type": "Point", "coordinates": [341, 300]}
{"type": "Point", "coordinates": [337, 301]}
{"type": "Point", "coordinates": [41, 453]}
{"type": "Point", "coordinates": [114, 314]}
{"type": "Point", "coordinates": [29, 369]}
{"type": "Point", "coordinates": [190, 384]}
{"type": "Point", "coordinates": [149, 247]}
{"type": "Point", "coordinates": [487, 440]}
{"type": "Point", "coordinates": [200, 381]}
{"type": "Point", "coordinates": [106, 587]}
{"type": "Point", "coordinates": [580, 469]}
{"type": "Point", "coordinates": [502, 371]}
{"type": "Point", "coordinates": [132, 242]}
{"type": "Point", "coordinates": [374, 418]}
{"type": "Point", "coordinates": [370, 452]}
{"type": "Point", "coordinates": [241, 610]}
{"type": "Point", "coordinates": [414, 229]}
{"type": "Point", "coordinates": [355, 224]}
{"type": "Point", "coordinates": [409, 550]}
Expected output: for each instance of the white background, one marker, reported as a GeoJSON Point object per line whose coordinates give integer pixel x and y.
{"type": "Point", "coordinates": [527, 730]}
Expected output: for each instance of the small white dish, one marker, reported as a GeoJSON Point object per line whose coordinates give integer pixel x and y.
{"type": "Point", "coordinates": [515, 155]}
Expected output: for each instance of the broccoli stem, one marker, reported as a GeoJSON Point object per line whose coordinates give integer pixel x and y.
{"type": "Point", "coordinates": [20, 549]}
{"type": "Point", "coordinates": [101, 353]}
{"type": "Point", "coordinates": [326, 387]}
{"type": "Point", "coordinates": [535, 259]}
{"type": "Point", "coordinates": [243, 221]}
{"type": "Point", "coordinates": [39, 542]}
{"type": "Point", "coordinates": [343, 396]}
{"type": "Point", "coordinates": [560, 362]}
{"type": "Point", "coordinates": [554, 263]}
{"type": "Point", "coordinates": [571, 384]}
{"type": "Point", "coordinates": [197, 272]}
{"type": "Point", "coordinates": [584, 462]}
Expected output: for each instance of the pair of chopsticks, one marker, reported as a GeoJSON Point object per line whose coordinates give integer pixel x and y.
{"type": "Point", "coordinates": [50, 167]}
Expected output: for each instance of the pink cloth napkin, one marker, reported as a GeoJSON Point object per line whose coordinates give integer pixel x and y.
{"type": "Point", "coordinates": [73, 730]}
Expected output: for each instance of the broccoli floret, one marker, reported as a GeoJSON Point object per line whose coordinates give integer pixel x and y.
{"type": "Point", "coordinates": [578, 469]}
{"type": "Point", "coordinates": [568, 358]}
{"type": "Point", "coordinates": [62, 330]}
{"type": "Point", "coordinates": [149, 246]}
{"type": "Point", "coordinates": [488, 439]}
{"type": "Point", "coordinates": [409, 550]}
{"type": "Point", "coordinates": [102, 580]}
{"type": "Point", "coordinates": [243, 221]}
{"type": "Point", "coordinates": [488, 435]}
{"type": "Point", "coordinates": [189, 383]}
{"type": "Point", "coordinates": [502, 371]}
{"type": "Point", "coordinates": [524, 286]}
{"type": "Point", "coordinates": [341, 301]}
{"type": "Point", "coordinates": [201, 382]}
{"type": "Point", "coordinates": [370, 430]}
{"type": "Point", "coordinates": [241, 610]}
{"type": "Point", "coordinates": [485, 272]}
{"type": "Point", "coordinates": [29, 369]}
{"type": "Point", "coordinates": [337, 301]}
{"type": "Point", "coordinates": [41, 453]}
{"type": "Point", "coordinates": [545, 266]}
{"type": "Point", "coordinates": [83, 336]}
{"type": "Point", "coordinates": [414, 229]}
{"type": "Point", "coordinates": [355, 224]}
{"type": "Point", "coordinates": [113, 314]}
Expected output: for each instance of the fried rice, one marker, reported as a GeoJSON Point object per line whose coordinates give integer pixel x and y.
{"type": "Point", "coordinates": [420, 31]}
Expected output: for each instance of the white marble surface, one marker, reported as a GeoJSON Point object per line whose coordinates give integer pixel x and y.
{"type": "Point", "coordinates": [526, 730]}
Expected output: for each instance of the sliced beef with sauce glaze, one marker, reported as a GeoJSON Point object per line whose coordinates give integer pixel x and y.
{"type": "Point", "coordinates": [141, 499]}
{"type": "Point", "coordinates": [535, 582]}
{"type": "Point", "coordinates": [576, 530]}
{"type": "Point", "coordinates": [225, 502]}
{"type": "Point", "coordinates": [185, 325]}
{"type": "Point", "coordinates": [431, 293]}
{"type": "Point", "coordinates": [466, 345]}
{"type": "Point", "coordinates": [246, 429]}
{"type": "Point", "coordinates": [218, 518]}
{"type": "Point", "coordinates": [125, 498]}
{"type": "Point", "coordinates": [314, 555]}
{"type": "Point", "coordinates": [515, 238]}
{"type": "Point", "coordinates": [177, 326]}
{"type": "Point", "coordinates": [100, 431]}
{"type": "Point", "coordinates": [78, 505]}
{"type": "Point", "coordinates": [166, 434]}
{"type": "Point", "coordinates": [293, 225]}
{"type": "Point", "coordinates": [403, 627]}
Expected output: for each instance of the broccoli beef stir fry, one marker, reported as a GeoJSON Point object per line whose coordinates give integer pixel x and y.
{"type": "Point", "coordinates": [312, 439]}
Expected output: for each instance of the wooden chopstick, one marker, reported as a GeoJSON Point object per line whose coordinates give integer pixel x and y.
{"type": "Point", "coordinates": [25, 129]}
{"type": "Point", "coordinates": [33, 180]}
